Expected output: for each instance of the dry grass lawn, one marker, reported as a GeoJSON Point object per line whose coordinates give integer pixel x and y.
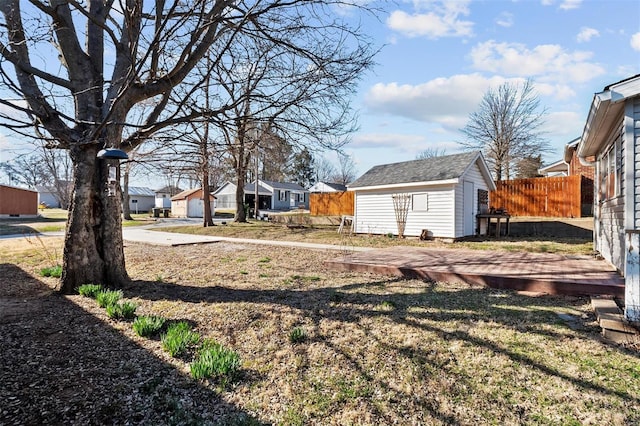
{"type": "Point", "coordinates": [379, 350]}
{"type": "Point", "coordinates": [327, 234]}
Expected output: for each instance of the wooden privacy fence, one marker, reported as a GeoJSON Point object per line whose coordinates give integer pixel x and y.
{"type": "Point", "coordinates": [546, 196]}
{"type": "Point", "coordinates": [331, 204]}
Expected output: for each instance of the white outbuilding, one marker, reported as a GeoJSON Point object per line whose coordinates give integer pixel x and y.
{"type": "Point", "coordinates": [440, 196]}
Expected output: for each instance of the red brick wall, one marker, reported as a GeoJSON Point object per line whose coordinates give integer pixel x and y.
{"type": "Point", "coordinates": [18, 201]}
{"type": "Point", "coordinates": [575, 168]}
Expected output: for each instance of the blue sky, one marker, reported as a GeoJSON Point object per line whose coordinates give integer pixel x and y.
{"type": "Point", "coordinates": [440, 57]}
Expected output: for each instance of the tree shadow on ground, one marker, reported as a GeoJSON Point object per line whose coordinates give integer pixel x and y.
{"type": "Point", "coordinates": [62, 365]}
{"type": "Point", "coordinates": [465, 306]}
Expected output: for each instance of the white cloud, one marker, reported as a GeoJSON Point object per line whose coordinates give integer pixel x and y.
{"type": "Point", "coordinates": [635, 42]}
{"type": "Point", "coordinates": [433, 20]}
{"type": "Point", "coordinates": [446, 102]}
{"type": "Point", "coordinates": [564, 5]}
{"type": "Point", "coordinates": [564, 124]}
{"type": "Point", "coordinates": [586, 34]}
{"type": "Point", "coordinates": [386, 140]}
{"type": "Point", "coordinates": [570, 4]}
{"type": "Point", "coordinates": [547, 62]}
{"type": "Point", "coordinates": [505, 19]}
{"type": "Point", "coordinates": [405, 145]}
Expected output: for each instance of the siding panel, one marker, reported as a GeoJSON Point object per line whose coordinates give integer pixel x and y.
{"type": "Point", "coordinates": [610, 213]}
{"type": "Point", "coordinates": [375, 212]}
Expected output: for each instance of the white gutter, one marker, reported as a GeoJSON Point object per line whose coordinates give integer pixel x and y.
{"type": "Point", "coordinates": [597, 112]}
{"type": "Point", "coordinates": [404, 184]}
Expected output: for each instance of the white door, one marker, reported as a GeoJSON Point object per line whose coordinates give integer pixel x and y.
{"type": "Point", "coordinates": [467, 209]}
{"type": "Point", "coordinates": [195, 208]}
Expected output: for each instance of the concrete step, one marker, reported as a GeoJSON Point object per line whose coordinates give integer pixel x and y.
{"type": "Point", "coordinates": [611, 319]}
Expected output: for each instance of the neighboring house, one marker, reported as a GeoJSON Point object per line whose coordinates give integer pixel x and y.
{"type": "Point", "coordinates": [272, 195]}
{"type": "Point", "coordinates": [559, 168]}
{"type": "Point", "coordinates": [141, 199]}
{"type": "Point", "coordinates": [18, 202]}
{"type": "Point", "coordinates": [163, 196]}
{"type": "Point", "coordinates": [190, 203]}
{"type": "Point", "coordinates": [55, 197]}
{"type": "Point", "coordinates": [324, 187]}
{"type": "Point", "coordinates": [48, 197]}
{"type": "Point", "coordinates": [610, 143]}
{"type": "Point", "coordinates": [446, 194]}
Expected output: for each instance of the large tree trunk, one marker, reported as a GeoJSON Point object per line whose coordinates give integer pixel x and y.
{"type": "Point", "coordinates": [241, 214]}
{"type": "Point", "coordinates": [93, 249]}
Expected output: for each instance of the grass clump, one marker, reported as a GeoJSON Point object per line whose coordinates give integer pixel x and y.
{"type": "Point", "coordinates": [89, 290]}
{"type": "Point", "coordinates": [215, 361]}
{"type": "Point", "coordinates": [148, 325]}
{"type": "Point", "coordinates": [105, 298]}
{"type": "Point", "coordinates": [52, 271]}
{"type": "Point", "coordinates": [126, 310]}
{"type": "Point", "coordinates": [179, 338]}
{"type": "Point", "coordinates": [298, 335]}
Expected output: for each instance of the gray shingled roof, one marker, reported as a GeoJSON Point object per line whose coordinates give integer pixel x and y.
{"type": "Point", "coordinates": [141, 191]}
{"type": "Point", "coordinates": [427, 170]}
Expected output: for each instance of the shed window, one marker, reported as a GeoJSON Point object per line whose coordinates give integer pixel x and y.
{"type": "Point", "coordinates": [420, 202]}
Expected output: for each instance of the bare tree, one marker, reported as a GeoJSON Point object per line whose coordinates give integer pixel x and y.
{"type": "Point", "coordinates": [528, 167]}
{"type": "Point", "coordinates": [43, 167]}
{"type": "Point", "coordinates": [85, 103]}
{"type": "Point", "coordinates": [27, 170]}
{"type": "Point", "coordinates": [431, 153]}
{"type": "Point", "coordinates": [346, 171]}
{"type": "Point", "coordinates": [286, 99]}
{"type": "Point", "coordinates": [324, 169]}
{"type": "Point", "coordinates": [507, 127]}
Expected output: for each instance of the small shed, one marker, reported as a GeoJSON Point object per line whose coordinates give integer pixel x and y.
{"type": "Point", "coordinates": [443, 195]}
{"type": "Point", "coordinates": [18, 202]}
{"type": "Point", "coordinates": [610, 142]}
{"type": "Point", "coordinates": [141, 199]}
{"type": "Point", "coordinates": [190, 203]}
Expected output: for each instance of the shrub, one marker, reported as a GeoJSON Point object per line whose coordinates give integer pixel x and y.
{"type": "Point", "coordinates": [146, 326]}
{"type": "Point", "coordinates": [89, 290]}
{"type": "Point", "coordinates": [53, 271]}
{"type": "Point", "coordinates": [178, 338]}
{"type": "Point", "coordinates": [126, 310]}
{"type": "Point", "coordinates": [215, 361]}
{"type": "Point", "coordinates": [108, 297]}
{"type": "Point", "coordinates": [298, 335]}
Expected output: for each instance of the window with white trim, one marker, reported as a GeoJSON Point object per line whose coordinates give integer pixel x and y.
{"type": "Point", "coordinates": [282, 195]}
{"type": "Point", "coordinates": [420, 202]}
{"type": "Point", "coordinates": [611, 172]}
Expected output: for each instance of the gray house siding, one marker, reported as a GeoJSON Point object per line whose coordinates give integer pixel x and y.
{"type": "Point", "coordinates": [610, 211]}
{"type": "Point", "coordinates": [613, 126]}
{"type": "Point", "coordinates": [632, 133]}
{"type": "Point", "coordinates": [272, 196]}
